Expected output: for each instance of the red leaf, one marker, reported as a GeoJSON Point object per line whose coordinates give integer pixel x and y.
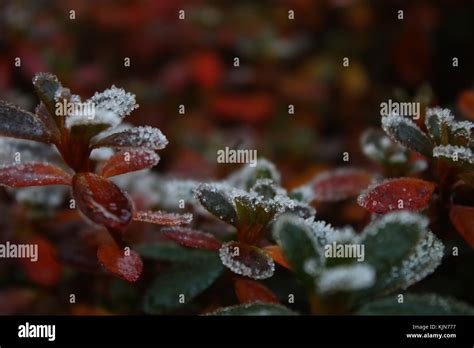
{"type": "Point", "coordinates": [127, 266]}
{"type": "Point", "coordinates": [101, 200]}
{"type": "Point", "coordinates": [192, 238]}
{"type": "Point", "coordinates": [340, 184]}
{"type": "Point", "coordinates": [462, 218]}
{"type": "Point", "coordinates": [249, 291]}
{"type": "Point", "coordinates": [33, 174]}
{"type": "Point", "coordinates": [276, 254]}
{"type": "Point", "coordinates": [249, 108]}
{"type": "Point", "coordinates": [397, 194]}
{"type": "Point", "coordinates": [246, 260]}
{"type": "Point", "coordinates": [46, 271]}
{"type": "Point", "coordinates": [162, 218]}
{"type": "Point", "coordinates": [207, 69]}
{"type": "Point", "coordinates": [17, 123]}
{"type": "Point", "coordinates": [129, 161]}
{"type": "Point", "coordinates": [466, 103]}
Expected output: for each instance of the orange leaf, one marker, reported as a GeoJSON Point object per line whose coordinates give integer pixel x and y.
{"type": "Point", "coordinates": [129, 161]}
{"type": "Point", "coordinates": [466, 103]}
{"type": "Point", "coordinates": [462, 218]}
{"type": "Point", "coordinates": [33, 174]}
{"type": "Point", "coordinates": [249, 291]}
{"type": "Point", "coordinates": [397, 194]}
{"type": "Point", "coordinates": [126, 266]}
{"type": "Point", "coordinates": [192, 238]}
{"type": "Point", "coordinates": [101, 200]}
{"type": "Point", "coordinates": [277, 255]}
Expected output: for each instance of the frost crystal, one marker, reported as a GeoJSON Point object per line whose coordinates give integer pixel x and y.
{"type": "Point", "coordinates": [402, 217]}
{"type": "Point", "coordinates": [346, 278]}
{"type": "Point", "coordinates": [454, 153]}
{"type": "Point", "coordinates": [393, 121]}
{"type": "Point", "coordinates": [253, 267]}
{"type": "Point", "coordinates": [239, 179]}
{"type": "Point", "coordinates": [444, 115]}
{"type": "Point", "coordinates": [116, 101]}
{"type": "Point", "coordinates": [27, 150]}
{"type": "Point", "coordinates": [423, 261]}
{"type": "Point", "coordinates": [147, 136]}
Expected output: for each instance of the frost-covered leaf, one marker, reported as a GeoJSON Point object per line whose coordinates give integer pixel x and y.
{"type": "Point", "coordinates": [276, 254]}
{"type": "Point", "coordinates": [462, 217]}
{"type": "Point", "coordinates": [246, 177]}
{"type": "Point", "coordinates": [115, 100]}
{"type": "Point", "coordinates": [257, 309]}
{"type": "Point", "coordinates": [126, 264]}
{"type": "Point", "coordinates": [129, 161]}
{"type": "Point", "coordinates": [43, 114]}
{"type": "Point", "coordinates": [397, 194]}
{"type": "Point", "coordinates": [340, 184]}
{"type": "Point", "coordinates": [401, 249]}
{"type": "Point", "coordinates": [246, 260]}
{"type": "Point", "coordinates": [454, 154]}
{"type": "Point", "coordinates": [345, 278]}
{"type": "Point", "coordinates": [101, 200]}
{"type": "Point", "coordinates": [216, 202]}
{"type": "Point", "coordinates": [141, 137]}
{"type": "Point", "coordinates": [21, 124]}
{"type": "Point", "coordinates": [414, 304]}
{"type": "Point", "coordinates": [46, 87]}
{"type": "Point", "coordinates": [46, 270]}
{"type": "Point", "coordinates": [299, 247]}
{"type": "Point", "coordinates": [249, 291]}
{"type": "Point", "coordinates": [184, 281]}
{"type": "Point", "coordinates": [407, 133]}
{"type": "Point", "coordinates": [173, 253]}
{"type": "Point", "coordinates": [437, 121]}
{"type": "Point", "coordinates": [191, 238]}
{"type": "Point", "coordinates": [162, 218]}
{"type": "Point", "coordinates": [253, 214]}
{"type": "Point", "coordinates": [33, 174]}
{"type": "Point", "coordinates": [380, 148]}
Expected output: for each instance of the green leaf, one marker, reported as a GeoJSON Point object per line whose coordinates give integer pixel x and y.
{"type": "Point", "coordinates": [246, 177]}
{"type": "Point", "coordinates": [181, 279]}
{"type": "Point", "coordinates": [216, 202]}
{"type": "Point", "coordinates": [174, 253]}
{"type": "Point", "coordinates": [407, 133]}
{"type": "Point", "coordinates": [21, 124]}
{"type": "Point", "coordinates": [414, 304]}
{"type": "Point", "coordinates": [254, 309]}
{"type": "Point", "coordinates": [401, 249]}
{"type": "Point", "coordinates": [299, 248]}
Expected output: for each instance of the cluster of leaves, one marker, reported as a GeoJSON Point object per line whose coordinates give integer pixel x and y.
{"type": "Point", "coordinates": [71, 137]}
{"type": "Point", "coordinates": [446, 145]}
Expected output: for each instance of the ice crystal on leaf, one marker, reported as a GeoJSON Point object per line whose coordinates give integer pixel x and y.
{"type": "Point", "coordinates": [115, 100]}
{"type": "Point", "coordinates": [454, 153]}
{"type": "Point", "coordinates": [143, 137]}
{"type": "Point", "coordinates": [246, 177]}
{"type": "Point", "coordinates": [346, 278]}
{"type": "Point", "coordinates": [246, 260]}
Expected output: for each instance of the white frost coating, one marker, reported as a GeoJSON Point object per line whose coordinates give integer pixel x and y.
{"type": "Point", "coordinates": [109, 131]}
{"type": "Point", "coordinates": [50, 196]}
{"type": "Point", "coordinates": [29, 151]}
{"type": "Point", "coordinates": [238, 179]}
{"type": "Point", "coordinates": [444, 115]}
{"type": "Point", "coordinates": [100, 117]}
{"type": "Point", "coordinates": [115, 100]}
{"type": "Point", "coordinates": [346, 278]}
{"type": "Point", "coordinates": [423, 261]}
{"type": "Point", "coordinates": [463, 128]}
{"type": "Point", "coordinates": [452, 152]}
{"type": "Point", "coordinates": [306, 192]}
{"type": "Point", "coordinates": [231, 261]}
{"type": "Point", "coordinates": [147, 136]}
{"type": "Point", "coordinates": [101, 154]}
{"type": "Point", "coordinates": [393, 121]}
{"type": "Point", "coordinates": [400, 217]}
